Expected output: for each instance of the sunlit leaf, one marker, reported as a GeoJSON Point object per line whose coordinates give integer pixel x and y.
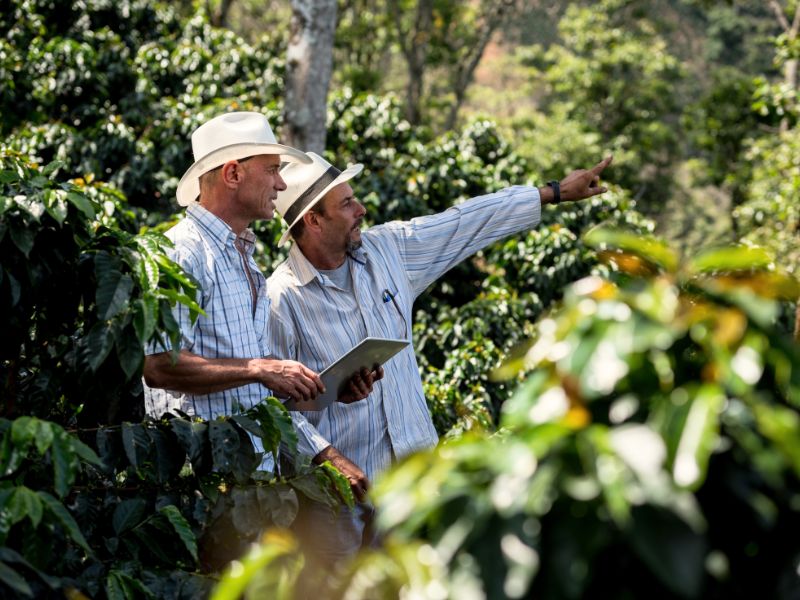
{"type": "Point", "coordinates": [698, 436]}
{"type": "Point", "coordinates": [642, 247]}
{"type": "Point", "coordinates": [730, 258]}
{"type": "Point", "coordinates": [274, 546]}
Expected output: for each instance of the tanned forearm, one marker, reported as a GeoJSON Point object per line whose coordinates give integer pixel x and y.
{"type": "Point", "coordinates": [194, 374]}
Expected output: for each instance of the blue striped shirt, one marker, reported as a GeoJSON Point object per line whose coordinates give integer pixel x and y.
{"type": "Point", "coordinates": [314, 321]}
{"type": "Point", "coordinates": [205, 246]}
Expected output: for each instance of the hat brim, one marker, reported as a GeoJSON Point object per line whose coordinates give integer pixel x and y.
{"type": "Point", "coordinates": [344, 176]}
{"type": "Point", "coordinates": [189, 185]}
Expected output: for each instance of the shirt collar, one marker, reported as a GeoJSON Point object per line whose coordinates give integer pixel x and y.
{"type": "Point", "coordinates": [305, 272]}
{"type": "Point", "coordinates": [219, 231]}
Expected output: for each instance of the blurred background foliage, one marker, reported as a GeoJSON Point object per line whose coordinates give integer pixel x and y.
{"type": "Point", "coordinates": [643, 443]}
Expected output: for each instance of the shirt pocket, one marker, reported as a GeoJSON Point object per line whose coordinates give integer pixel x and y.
{"type": "Point", "coordinates": [392, 308]}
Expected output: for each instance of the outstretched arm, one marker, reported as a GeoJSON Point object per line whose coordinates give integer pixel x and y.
{"type": "Point", "coordinates": [580, 184]}
{"type": "Point", "coordinates": [194, 374]}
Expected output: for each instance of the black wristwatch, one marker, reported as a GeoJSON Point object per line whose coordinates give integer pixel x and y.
{"type": "Point", "coordinates": [556, 190]}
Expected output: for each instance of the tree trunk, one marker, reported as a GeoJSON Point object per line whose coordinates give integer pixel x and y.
{"type": "Point", "coordinates": [219, 17]}
{"type": "Point", "coordinates": [495, 15]}
{"type": "Point", "coordinates": [309, 62]}
{"type": "Point", "coordinates": [414, 45]}
{"type": "Point", "coordinates": [791, 31]}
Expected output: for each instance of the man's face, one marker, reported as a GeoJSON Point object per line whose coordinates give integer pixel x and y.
{"type": "Point", "coordinates": [262, 182]}
{"type": "Point", "coordinates": [341, 219]}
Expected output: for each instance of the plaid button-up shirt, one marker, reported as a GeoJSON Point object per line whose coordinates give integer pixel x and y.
{"type": "Point", "coordinates": [314, 321]}
{"type": "Point", "coordinates": [233, 327]}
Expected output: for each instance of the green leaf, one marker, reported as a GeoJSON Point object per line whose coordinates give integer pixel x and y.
{"type": "Point", "coordinates": [23, 503]}
{"type": "Point", "coordinates": [668, 546]}
{"type": "Point", "coordinates": [63, 516]}
{"type": "Point", "coordinates": [120, 586]}
{"type": "Point", "coordinates": [340, 483]}
{"type": "Point", "coordinates": [729, 258]}
{"type": "Point", "coordinates": [56, 205]}
{"type": "Point", "coordinates": [23, 432]}
{"type": "Point", "coordinates": [283, 421]}
{"type": "Point", "coordinates": [98, 344]}
{"type": "Point", "coordinates": [130, 354]}
{"type": "Point", "coordinates": [128, 514]}
{"type": "Point", "coordinates": [85, 452]}
{"type": "Point", "coordinates": [82, 203]}
{"type": "Point", "coordinates": [136, 443]}
{"type": "Point", "coordinates": [8, 176]}
{"type": "Point", "coordinates": [52, 167]}
{"type": "Point", "coordinates": [11, 556]}
{"type": "Point", "coordinates": [224, 444]}
{"type": "Point", "coordinates": [65, 462]}
{"type": "Point", "coordinates": [170, 457]}
{"type": "Point", "coordinates": [144, 318]}
{"type": "Point", "coordinates": [113, 288]}
{"type": "Point", "coordinates": [315, 486]}
{"type": "Point", "coordinates": [279, 503]}
{"type": "Point", "coordinates": [193, 437]}
{"type": "Point", "coordinates": [14, 287]}
{"type": "Point", "coordinates": [245, 514]}
{"type": "Point", "coordinates": [10, 457]}
{"type": "Point", "coordinates": [44, 436]}
{"type": "Point", "coordinates": [23, 239]}
{"type": "Point", "coordinates": [109, 447]}
{"type": "Point", "coordinates": [276, 546]}
{"type": "Point", "coordinates": [698, 437]}
{"type": "Point", "coordinates": [653, 250]}
{"type": "Point", "coordinates": [781, 424]}
{"type": "Point", "coordinates": [148, 273]}
{"type": "Point", "coordinates": [14, 580]}
{"type": "Point", "coordinates": [182, 528]}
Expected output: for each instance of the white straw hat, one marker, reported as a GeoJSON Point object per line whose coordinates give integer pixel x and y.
{"type": "Point", "coordinates": [307, 184]}
{"type": "Point", "coordinates": [231, 136]}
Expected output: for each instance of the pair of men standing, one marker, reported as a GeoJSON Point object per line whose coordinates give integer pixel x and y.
{"type": "Point", "coordinates": [338, 286]}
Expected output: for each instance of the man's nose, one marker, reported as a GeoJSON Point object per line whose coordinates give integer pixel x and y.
{"type": "Point", "coordinates": [280, 184]}
{"type": "Point", "coordinates": [360, 211]}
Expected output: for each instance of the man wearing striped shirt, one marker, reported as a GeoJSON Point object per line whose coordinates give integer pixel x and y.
{"type": "Point", "coordinates": [340, 285]}
{"type": "Point", "coordinates": [220, 368]}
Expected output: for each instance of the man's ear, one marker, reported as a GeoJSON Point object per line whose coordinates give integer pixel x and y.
{"type": "Point", "coordinates": [231, 174]}
{"type": "Point", "coordinates": [311, 220]}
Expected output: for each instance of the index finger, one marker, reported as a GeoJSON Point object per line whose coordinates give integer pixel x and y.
{"type": "Point", "coordinates": [598, 168]}
{"type": "Point", "coordinates": [315, 378]}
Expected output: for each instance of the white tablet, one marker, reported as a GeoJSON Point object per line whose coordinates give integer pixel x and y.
{"type": "Point", "coordinates": [369, 352]}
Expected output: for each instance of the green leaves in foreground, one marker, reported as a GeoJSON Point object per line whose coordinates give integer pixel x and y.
{"type": "Point", "coordinates": [660, 410]}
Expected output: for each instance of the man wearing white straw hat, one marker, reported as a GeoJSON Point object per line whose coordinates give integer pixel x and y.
{"type": "Point", "coordinates": [344, 284]}
{"type": "Point", "coordinates": [234, 180]}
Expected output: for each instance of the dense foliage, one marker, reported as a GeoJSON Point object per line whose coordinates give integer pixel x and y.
{"type": "Point", "coordinates": [652, 446]}
{"type": "Point", "coordinates": [651, 451]}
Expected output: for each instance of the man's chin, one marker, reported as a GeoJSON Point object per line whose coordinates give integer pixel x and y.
{"type": "Point", "coordinates": [354, 244]}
